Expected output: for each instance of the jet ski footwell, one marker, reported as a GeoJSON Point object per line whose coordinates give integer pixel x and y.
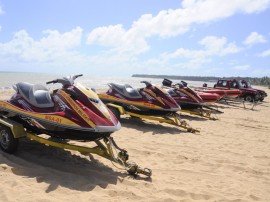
{"type": "Point", "coordinates": [11, 131]}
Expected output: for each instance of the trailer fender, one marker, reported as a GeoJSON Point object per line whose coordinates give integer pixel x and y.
{"type": "Point", "coordinates": [16, 128]}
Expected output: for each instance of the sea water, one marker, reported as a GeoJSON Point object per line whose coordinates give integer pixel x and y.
{"type": "Point", "coordinates": [8, 79]}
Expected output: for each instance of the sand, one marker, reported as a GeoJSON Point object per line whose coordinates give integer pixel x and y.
{"type": "Point", "coordinates": [228, 161]}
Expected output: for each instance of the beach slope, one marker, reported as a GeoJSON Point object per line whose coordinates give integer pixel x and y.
{"type": "Point", "coordinates": [228, 161]}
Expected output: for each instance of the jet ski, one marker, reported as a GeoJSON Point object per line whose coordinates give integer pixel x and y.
{"type": "Point", "coordinates": [209, 97]}
{"type": "Point", "coordinates": [72, 112]}
{"type": "Point", "coordinates": [190, 101]}
{"type": "Point", "coordinates": [183, 95]}
{"type": "Point", "coordinates": [150, 100]}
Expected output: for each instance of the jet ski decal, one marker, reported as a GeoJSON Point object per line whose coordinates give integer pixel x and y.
{"type": "Point", "coordinates": [5, 106]}
{"type": "Point", "coordinates": [77, 109]}
{"type": "Point", "coordinates": [144, 104]}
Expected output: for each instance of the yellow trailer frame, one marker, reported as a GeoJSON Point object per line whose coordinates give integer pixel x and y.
{"type": "Point", "coordinates": [201, 113]}
{"type": "Point", "coordinates": [106, 149]}
{"type": "Point", "coordinates": [173, 120]}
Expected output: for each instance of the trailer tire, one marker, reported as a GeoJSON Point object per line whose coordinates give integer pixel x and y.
{"type": "Point", "coordinates": [115, 111]}
{"type": "Point", "coordinates": [249, 98]}
{"type": "Point", "coordinates": [8, 143]}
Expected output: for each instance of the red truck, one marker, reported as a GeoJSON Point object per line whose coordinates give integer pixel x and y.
{"type": "Point", "coordinates": [247, 92]}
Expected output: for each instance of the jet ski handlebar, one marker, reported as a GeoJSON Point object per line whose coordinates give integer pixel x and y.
{"type": "Point", "coordinates": [66, 81]}
{"type": "Point", "coordinates": [146, 83]}
{"type": "Point", "coordinates": [53, 81]}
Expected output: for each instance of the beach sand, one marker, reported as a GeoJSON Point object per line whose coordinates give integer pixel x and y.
{"type": "Point", "coordinates": [228, 161]}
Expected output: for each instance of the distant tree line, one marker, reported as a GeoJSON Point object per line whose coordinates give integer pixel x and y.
{"type": "Point", "coordinates": [264, 81]}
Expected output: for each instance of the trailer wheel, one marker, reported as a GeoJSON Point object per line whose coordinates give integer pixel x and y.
{"type": "Point", "coordinates": [249, 98]}
{"type": "Point", "coordinates": [115, 111]}
{"type": "Point", "coordinates": [8, 143]}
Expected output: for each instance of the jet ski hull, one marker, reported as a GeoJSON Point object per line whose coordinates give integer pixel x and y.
{"type": "Point", "coordinates": [86, 119]}
{"type": "Point", "coordinates": [138, 107]}
{"type": "Point", "coordinates": [226, 93]}
{"type": "Point", "coordinates": [209, 97]}
{"type": "Point", "coordinates": [53, 124]}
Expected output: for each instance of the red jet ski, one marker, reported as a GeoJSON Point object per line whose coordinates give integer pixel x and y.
{"type": "Point", "coordinates": [151, 100]}
{"type": "Point", "coordinates": [189, 100]}
{"type": "Point", "coordinates": [73, 112]}
{"type": "Point", "coordinates": [209, 97]}
{"type": "Point", "coordinates": [223, 93]}
{"type": "Point", "coordinates": [183, 95]}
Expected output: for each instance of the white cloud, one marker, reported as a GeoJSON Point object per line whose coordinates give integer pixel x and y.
{"type": "Point", "coordinates": [116, 37]}
{"type": "Point", "coordinates": [241, 67]}
{"type": "Point", "coordinates": [53, 45]}
{"type": "Point", "coordinates": [106, 36]}
{"type": "Point", "coordinates": [168, 23]}
{"type": "Point", "coordinates": [213, 46]}
{"type": "Point", "coordinates": [1, 10]}
{"type": "Point", "coordinates": [265, 53]}
{"type": "Point", "coordinates": [254, 38]}
{"type": "Point", "coordinates": [194, 59]}
{"type": "Point", "coordinates": [218, 46]}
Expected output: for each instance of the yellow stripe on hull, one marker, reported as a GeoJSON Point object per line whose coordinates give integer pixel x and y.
{"type": "Point", "coordinates": [77, 108]}
{"type": "Point", "coordinates": [141, 104]}
{"type": "Point", "coordinates": [46, 116]}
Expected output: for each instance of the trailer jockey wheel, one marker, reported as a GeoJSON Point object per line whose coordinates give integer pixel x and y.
{"type": "Point", "coordinates": [8, 143]}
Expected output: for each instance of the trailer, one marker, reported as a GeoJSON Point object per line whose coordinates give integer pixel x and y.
{"type": "Point", "coordinates": [174, 119]}
{"type": "Point", "coordinates": [11, 132]}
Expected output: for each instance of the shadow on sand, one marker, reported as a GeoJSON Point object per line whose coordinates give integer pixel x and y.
{"type": "Point", "coordinates": [150, 126]}
{"type": "Point", "coordinates": [58, 167]}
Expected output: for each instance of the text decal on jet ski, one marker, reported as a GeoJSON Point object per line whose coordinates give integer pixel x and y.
{"type": "Point", "coordinates": [78, 110]}
{"type": "Point", "coordinates": [53, 118]}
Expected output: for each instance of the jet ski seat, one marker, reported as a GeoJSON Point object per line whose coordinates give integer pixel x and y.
{"type": "Point", "coordinates": [126, 90]}
{"type": "Point", "coordinates": [37, 95]}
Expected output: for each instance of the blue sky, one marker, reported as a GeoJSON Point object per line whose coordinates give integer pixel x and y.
{"type": "Point", "coordinates": [121, 38]}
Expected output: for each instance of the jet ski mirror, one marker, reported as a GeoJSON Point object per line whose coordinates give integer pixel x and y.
{"type": "Point", "coordinates": [180, 85]}
{"type": "Point", "coordinates": [93, 89]}
{"type": "Point", "coordinates": [148, 84]}
{"type": "Point", "coordinates": [167, 82]}
{"type": "Point", "coordinates": [184, 83]}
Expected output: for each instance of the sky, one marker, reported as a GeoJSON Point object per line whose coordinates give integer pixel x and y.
{"type": "Point", "coordinates": [121, 38]}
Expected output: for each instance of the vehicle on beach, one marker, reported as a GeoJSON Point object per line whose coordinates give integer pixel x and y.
{"type": "Point", "coordinates": [247, 93]}
{"type": "Point", "coordinates": [246, 84]}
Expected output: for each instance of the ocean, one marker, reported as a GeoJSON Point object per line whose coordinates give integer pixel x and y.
{"type": "Point", "coordinates": [8, 79]}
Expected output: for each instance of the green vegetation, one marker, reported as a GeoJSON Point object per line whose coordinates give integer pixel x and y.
{"type": "Point", "coordinates": [264, 81]}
